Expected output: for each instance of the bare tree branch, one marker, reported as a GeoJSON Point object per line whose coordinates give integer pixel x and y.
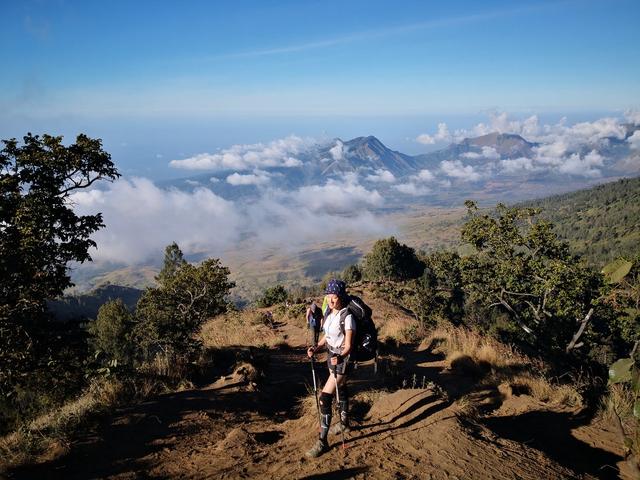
{"type": "Point", "coordinates": [515, 314]}
{"type": "Point", "coordinates": [583, 325]}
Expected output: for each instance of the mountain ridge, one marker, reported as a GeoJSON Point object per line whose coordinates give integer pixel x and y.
{"type": "Point", "coordinates": [494, 166]}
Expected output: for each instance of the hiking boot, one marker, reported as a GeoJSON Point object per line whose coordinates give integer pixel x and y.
{"type": "Point", "coordinates": [338, 427]}
{"type": "Point", "coordinates": [318, 448]}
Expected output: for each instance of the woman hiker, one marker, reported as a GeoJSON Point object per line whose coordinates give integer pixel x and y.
{"type": "Point", "coordinates": [338, 344]}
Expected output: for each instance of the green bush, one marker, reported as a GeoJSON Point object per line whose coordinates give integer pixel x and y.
{"type": "Point", "coordinates": [520, 268]}
{"type": "Point", "coordinates": [391, 260]}
{"type": "Point", "coordinates": [168, 316]}
{"type": "Point", "coordinates": [111, 333]}
{"type": "Point", "coordinates": [352, 274]}
{"type": "Point", "coordinates": [272, 296]}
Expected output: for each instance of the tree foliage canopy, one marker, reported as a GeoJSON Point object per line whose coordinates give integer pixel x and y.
{"type": "Point", "coordinates": [272, 296]}
{"type": "Point", "coordinates": [173, 260]}
{"type": "Point", "coordinates": [352, 273]}
{"type": "Point", "coordinates": [169, 315]}
{"type": "Point", "coordinates": [522, 268]}
{"type": "Point", "coordinates": [112, 332]}
{"type": "Point", "coordinates": [391, 260]}
{"type": "Point", "coordinates": [39, 235]}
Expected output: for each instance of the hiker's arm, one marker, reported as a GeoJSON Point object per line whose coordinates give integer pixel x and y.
{"type": "Point", "coordinates": [314, 349]}
{"type": "Point", "coordinates": [348, 341]}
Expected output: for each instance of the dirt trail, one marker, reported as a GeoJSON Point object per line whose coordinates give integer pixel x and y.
{"type": "Point", "coordinates": [227, 430]}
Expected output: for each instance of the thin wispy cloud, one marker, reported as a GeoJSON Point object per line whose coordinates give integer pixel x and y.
{"type": "Point", "coordinates": [386, 32]}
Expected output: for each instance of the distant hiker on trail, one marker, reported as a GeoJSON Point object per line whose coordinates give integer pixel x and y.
{"type": "Point", "coordinates": [338, 341]}
{"type": "Point", "coordinates": [315, 320]}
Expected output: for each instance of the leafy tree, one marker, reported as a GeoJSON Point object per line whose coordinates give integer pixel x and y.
{"type": "Point", "coordinates": [626, 373]}
{"type": "Point", "coordinates": [112, 332]}
{"type": "Point", "coordinates": [623, 294]}
{"type": "Point", "coordinates": [169, 315]}
{"type": "Point", "coordinates": [439, 290]}
{"type": "Point", "coordinates": [272, 296]}
{"type": "Point", "coordinates": [352, 274]}
{"type": "Point", "coordinates": [173, 260]}
{"type": "Point", "coordinates": [391, 260]}
{"type": "Point", "coordinates": [521, 268]}
{"type": "Point", "coordinates": [39, 235]}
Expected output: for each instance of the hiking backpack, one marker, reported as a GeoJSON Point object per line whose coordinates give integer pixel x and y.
{"type": "Point", "coordinates": [365, 343]}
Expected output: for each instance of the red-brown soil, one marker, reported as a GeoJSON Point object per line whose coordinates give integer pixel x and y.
{"type": "Point", "coordinates": [229, 429]}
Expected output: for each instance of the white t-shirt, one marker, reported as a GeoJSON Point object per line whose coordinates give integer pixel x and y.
{"type": "Point", "coordinates": [333, 332]}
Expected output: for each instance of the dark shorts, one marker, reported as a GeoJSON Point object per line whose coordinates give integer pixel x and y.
{"type": "Point", "coordinates": [342, 368]}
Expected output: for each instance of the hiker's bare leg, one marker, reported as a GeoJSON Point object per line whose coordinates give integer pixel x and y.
{"type": "Point", "coordinates": [330, 386]}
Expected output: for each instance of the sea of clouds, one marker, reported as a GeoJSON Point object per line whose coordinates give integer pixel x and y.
{"type": "Point", "coordinates": [141, 218]}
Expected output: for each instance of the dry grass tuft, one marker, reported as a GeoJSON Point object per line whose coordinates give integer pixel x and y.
{"type": "Point", "coordinates": [618, 401]}
{"type": "Point", "coordinates": [400, 328]}
{"type": "Point", "coordinates": [46, 437]}
{"type": "Point", "coordinates": [239, 328]}
{"type": "Point", "coordinates": [541, 389]}
{"type": "Point", "coordinates": [464, 364]}
{"type": "Point", "coordinates": [473, 354]}
{"type": "Point", "coordinates": [483, 350]}
{"type": "Point", "coordinates": [50, 431]}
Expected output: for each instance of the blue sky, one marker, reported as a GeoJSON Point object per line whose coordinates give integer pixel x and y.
{"type": "Point", "coordinates": [161, 80]}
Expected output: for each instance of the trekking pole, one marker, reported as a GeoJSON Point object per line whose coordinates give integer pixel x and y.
{"type": "Point", "coordinates": [315, 390]}
{"type": "Point", "coordinates": [335, 376]}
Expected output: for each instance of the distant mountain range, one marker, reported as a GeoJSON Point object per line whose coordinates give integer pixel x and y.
{"type": "Point", "coordinates": [496, 166]}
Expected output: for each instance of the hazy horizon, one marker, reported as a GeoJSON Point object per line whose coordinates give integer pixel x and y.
{"type": "Point", "coordinates": [158, 82]}
{"type": "Point", "coordinates": [176, 89]}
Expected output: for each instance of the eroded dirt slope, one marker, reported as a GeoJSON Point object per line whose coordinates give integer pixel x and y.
{"type": "Point", "coordinates": [231, 429]}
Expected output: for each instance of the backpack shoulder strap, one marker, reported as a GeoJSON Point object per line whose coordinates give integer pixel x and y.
{"type": "Point", "coordinates": [343, 316]}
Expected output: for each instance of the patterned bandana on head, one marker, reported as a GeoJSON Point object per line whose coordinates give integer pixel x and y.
{"type": "Point", "coordinates": [336, 287]}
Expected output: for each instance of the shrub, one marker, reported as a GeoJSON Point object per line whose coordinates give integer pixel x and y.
{"type": "Point", "coordinates": [352, 274]}
{"type": "Point", "coordinates": [112, 332]}
{"type": "Point", "coordinates": [272, 296]}
{"type": "Point", "coordinates": [522, 269]}
{"type": "Point", "coordinates": [391, 260]}
{"type": "Point", "coordinates": [168, 316]}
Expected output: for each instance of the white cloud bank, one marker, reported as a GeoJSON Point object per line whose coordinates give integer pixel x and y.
{"type": "Point", "coordinates": [278, 153]}
{"type": "Point", "coordinates": [634, 140]}
{"type": "Point", "coordinates": [337, 151]}
{"type": "Point", "coordinates": [416, 186]}
{"type": "Point", "coordinates": [413, 189]}
{"type": "Point", "coordinates": [258, 177]}
{"type": "Point", "coordinates": [456, 169]}
{"type": "Point", "coordinates": [382, 176]}
{"type": "Point", "coordinates": [558, 148]}
{"type": "Point", "coordinates": [442, 135]}
{"type": "Point", "coordinates": [487, 152]}
{"type": "Point", "coordinates": [142, 219]}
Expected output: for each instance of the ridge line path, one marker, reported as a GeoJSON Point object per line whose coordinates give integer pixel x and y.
{"type": "Point", "coordinates": [228, 429]}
